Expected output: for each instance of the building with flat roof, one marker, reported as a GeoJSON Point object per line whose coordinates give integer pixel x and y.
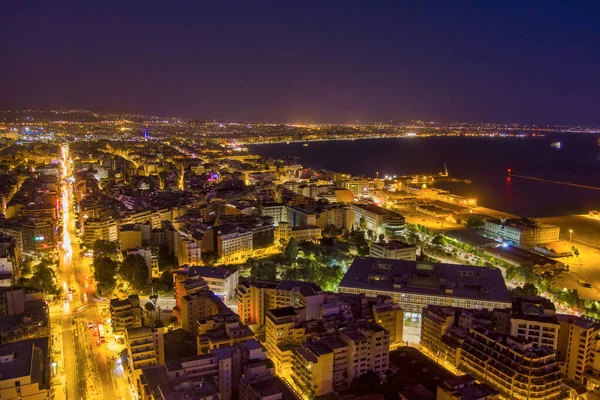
{"type": "Point", "coordinates": [534, 319]}
{"type": "Point", "coordinates": [222, 281]}
{"type": "Point", "coordinates": [255, 298]}
{"type": "Point", "coordinates": [415, 285]}
{"type": "Point", "coordinates": [265, 387]}
{"type": "Point", "coordinates": [511, 365]}
{"type": "Point", "coordinates": [24, 370]}
{"type": "Point", "coordinates": [125, 313]}
{"type": "Point", "coordinates": [394, 249]}
{"type": "Point", "coordinates": [521, 231]}
{"type": "Point", "coordinates": [145, 348]}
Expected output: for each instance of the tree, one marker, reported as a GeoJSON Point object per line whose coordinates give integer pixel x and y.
{"type": "Point", "coordinates": [529, 289]}
{"type": "Point", "coordinates": [149, 306]}
{"type": "Point", "coordinates": [105, 271]}
{"type": "Point", "coordinates": [263, 271]}
{"type": "Point", "coordinates": [439, 240]}
{"type": "Point", "coordinates": [369, 381]}
{"type": "Point", "coordinates": [208, 258]}
{"type": "Point", "coordinates": [291, 250]}
{"type": "Point", "coordinates": [475, 222]}
{"type": "Point", "coordinates": [362, 223]}
{"type": "Point", "coordinates": [104, 247]}
{"type": "Point", "coordinates": [134, 271]}
{"type": "Point", "coordinates": [44, 278]}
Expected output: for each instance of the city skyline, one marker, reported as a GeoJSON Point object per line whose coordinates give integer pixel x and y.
{"type": "Point", "coordinates": [533, 62]}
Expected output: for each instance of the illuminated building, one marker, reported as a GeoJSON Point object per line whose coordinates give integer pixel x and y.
{"type": "Point", "coordinates": [104, 228]}
{"type": "Point", "coordinates": [221, 330]}
{"type": "Point", "coordinates": [200, 304]}
{"type": "Point", "coordinates": [522, 231]}
{"type": "Point", "coordinates": [511, 365]}
{"type": "Point", "coordinates": [390, 316]}
{"type": "Point", "coordinates": [125, 313]}
{"type": "Point", "coordinates": [393, 249]}
{"type": "Point", "coordinates": [415, 285]}
{"type": "Point", "coordinates": [222, 281]}
{"type": "Point", "coordinates": [130, 237]}
{"type": "Point", "coordinates": [284, 330]}
{"type": "Point", "coordinates": [233, 243]}
{"type": "Point", "coordinates": [312, 366]}
{"type": "Point", "coordinates": [358, 186]}
{"type": "Point", "coordinates": [579, 349]}
{"type": "Point", "coordinates": [185, 284]}
{"type": "Point", "coordinates": [145, 348]}
{"type": "Point", "coordinates": [25, 370]}
{"type": "Point", "coordinates": [255, 298]}
{"type": "Point", "coordinates": [284, 231]}
{"type": "Point", "coordinates": [534, 319]}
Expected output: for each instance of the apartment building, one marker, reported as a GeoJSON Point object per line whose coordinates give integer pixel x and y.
{"type": "Point", "coordinates": [512, 366]}
{"type": "Point", "coordinates": [221, 330]}
{"type": "Point", "coordinates": [215, 375]}
{"type": "Point", "coordinates": [390, 316]}
{"type": "Point", "coordinates": [222, 281]}
{"type": "Point", "coordinates": [185, 284]}
{"type": "Point", "coordinates": [130, 237]}
{"type": "Point", "coordinates": [284, 330]}
{"type": "Point", "coordinates": [145, 348]}
{"type": "Point", "coordinates": [523, 232]}
{"type": "Point", "coordinates": [579, 349]}
{"type": "Point", "coordinates": [313, 369]}
{"type": "Point", "coordinates": [358, 186]}
{"type": "Point", "coordinates": [534, 319]}
{"type": "Point", "coordinates": [255, 298]}
{"type": "Point", "coordinates": [394, 249]}
{"type": "Point", "coordinates": [234, 244]}
{"type": "Point", "coordinates": [125, 313]}
{"type": "Point", "coordinates": [104, 228]}
{"type": "Point", "coordinates": [368, 349]}
{"type": "Point", "coordinates": [265, 387]}
{"type": "Point", "coordinates": [199, 305]}
{"type": "Point", "coordinates": [25, 370]}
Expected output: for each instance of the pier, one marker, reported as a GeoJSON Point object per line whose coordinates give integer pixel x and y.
{"type": "Point", "coordinates": [533, 178]}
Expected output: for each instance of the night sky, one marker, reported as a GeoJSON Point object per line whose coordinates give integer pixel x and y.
{"type": "Point", "coordinates": [307, 61]}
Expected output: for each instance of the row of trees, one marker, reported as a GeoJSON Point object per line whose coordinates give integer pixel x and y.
{"type": "Point", "coordinates": [323, 264]}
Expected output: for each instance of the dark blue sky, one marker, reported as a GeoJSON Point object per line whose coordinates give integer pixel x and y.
{"type": "Point", "coordinates": [324, 61]}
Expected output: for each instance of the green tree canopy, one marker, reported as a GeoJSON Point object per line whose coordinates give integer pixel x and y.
{"type": "Point", "coordinates": [263, 271]}
{"type": "Point", "coordinates": [291, 250]}
{"type": "Point", "coordinates": [44, 278]}
{"type": "Point", "coordinates": [105, 274]}
{"type": "Point", "coordinates": [134, 271]}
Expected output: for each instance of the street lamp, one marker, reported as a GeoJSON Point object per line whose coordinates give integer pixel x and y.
{"type": "Point", "coordinates": [570, 238]}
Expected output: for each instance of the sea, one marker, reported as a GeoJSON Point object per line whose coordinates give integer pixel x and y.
{"type": "Point", "coordinates": [482, 160]}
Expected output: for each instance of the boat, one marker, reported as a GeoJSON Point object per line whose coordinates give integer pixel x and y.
{"type": "Point", "coordinates": [556, 145]}
{"type": "Point", "coordinates": [305, 145]}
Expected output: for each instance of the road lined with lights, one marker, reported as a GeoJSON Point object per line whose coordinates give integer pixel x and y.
{"type": "Point", "coordinates": [86, 376]}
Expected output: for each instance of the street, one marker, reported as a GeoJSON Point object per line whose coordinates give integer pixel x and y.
{"type": "Point", "coordinates": [87, 368]}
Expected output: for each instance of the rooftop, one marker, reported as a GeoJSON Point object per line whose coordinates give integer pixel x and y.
{"type": "Point", "coordinates": [443, 280]}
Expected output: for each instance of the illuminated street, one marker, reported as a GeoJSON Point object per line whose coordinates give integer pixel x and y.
{"type": "Point", "coordinates": [86, 366]}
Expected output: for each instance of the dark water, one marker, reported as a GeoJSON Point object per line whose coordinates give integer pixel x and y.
{"type": "Point", "coordinates": [482, 160]}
